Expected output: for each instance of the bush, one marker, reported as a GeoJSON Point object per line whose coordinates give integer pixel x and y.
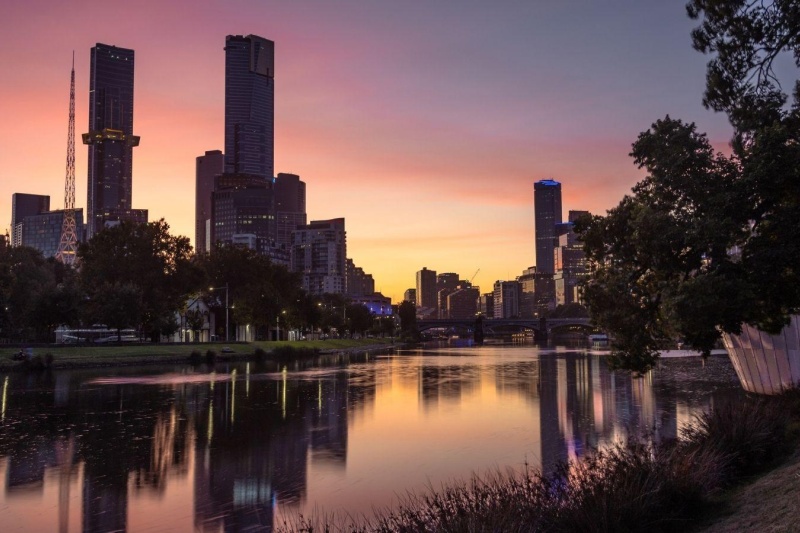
{"type": "Point", "coordinates": [638, 486]}
{"type": "Point", "coordinates": [260, 355]}
{"type": "Point", "coordinates": [751, 433]}
{"type": "Point", "coordinates": [289, 353]}
{"type": "Point", "coordinates": [211, 357]}
{"type": "Point", "coordinates": [195, 358]}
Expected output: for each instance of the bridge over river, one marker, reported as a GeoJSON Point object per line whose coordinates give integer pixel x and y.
{"type": "Point", "coordinates": [541, 327]}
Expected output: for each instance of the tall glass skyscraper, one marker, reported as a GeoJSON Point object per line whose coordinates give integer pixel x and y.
{"type": "Point", "coordinates": [110, 137]}
{"type": "Point", "coordinates": [546, 213]}
{"type": "Point", "coordinates": [249, 105]}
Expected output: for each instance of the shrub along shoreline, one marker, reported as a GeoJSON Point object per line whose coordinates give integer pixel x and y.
{"type": "Point", "coordinates": [131, 354]}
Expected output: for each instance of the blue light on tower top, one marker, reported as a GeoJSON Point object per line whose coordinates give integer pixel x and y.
{"type": "Point", "coordinates": [549, 183]}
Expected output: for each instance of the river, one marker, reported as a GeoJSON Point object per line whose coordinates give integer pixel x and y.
{"type": "Point", "coordinates": [244, 445]}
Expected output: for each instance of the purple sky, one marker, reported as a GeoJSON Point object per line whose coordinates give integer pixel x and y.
{"type": "Point", "coordinates": [424, 124]}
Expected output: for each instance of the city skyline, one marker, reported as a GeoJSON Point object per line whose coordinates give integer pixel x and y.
{"type": "Point", "coordinates": [424, 126]}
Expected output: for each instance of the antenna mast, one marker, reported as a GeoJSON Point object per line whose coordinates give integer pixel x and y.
{"type": "Point", "coordinates": [68, 244]}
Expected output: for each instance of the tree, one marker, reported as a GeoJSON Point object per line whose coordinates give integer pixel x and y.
{"type": "Point", "coordinates": [118, 305]}
{"type": "Point", "coordinates": [259, 290]}
{"type": "Point", "coordinates": [25, 276]}
{"type": "Point", "coordinates": [149, 258]}
{"type": "Point", "coordinates": [408, 317]}
{"type": "Point", "coordinates": [359, 319]}
{"type": "Point", "coordinates": [707, 242]}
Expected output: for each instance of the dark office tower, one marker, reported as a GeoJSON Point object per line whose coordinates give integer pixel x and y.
{"type": "Point", "coordinates": [426, 289]}
{"type": "Point", "coordinates": [249, 105]}
{"type": "Point", "coordinates": [110, 138]}
{"type": "Point", "coordinates": [547, 213]}
{"type": "Point", "coordinates": [243, 205]}
{"type": "Point", "coordinates": [290, 206]}
{"type": "Point", "coordinates": [207, 168]}
{"type": "Point", "coordinates": [24, 205]}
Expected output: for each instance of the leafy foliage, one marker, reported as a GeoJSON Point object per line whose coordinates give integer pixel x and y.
{"type": "Point", "coordinates": [148, 258]}
{"type": "Point", "coordinates": [707, 241]}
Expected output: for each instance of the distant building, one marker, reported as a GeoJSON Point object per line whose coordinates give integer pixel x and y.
{"type": "Point", "coordinates": [357, 282]}
{"type": "Point", "coordinates": [547, 213]}
{"type": "Point", "coordinates": [377, 303]}
{"type": "Point", "coordinates": [426, 289]}
{"type": "Point", "coordinates": [486, 305]}
{"type": "Point", "coordinates": [527, 285]}
{"type": "Point", "coordinates": [249, 106]}
{"type": "Point", "coordinates": [290, 206]}
{"type": "Point", "coordinates": [463, 303]}
{"type": "Point", "coordinates": [570, 264]}
{"type": "Point", "coordinates": [110, 139]}
{"type": "Point", "coordinates": [318, 253]}
{"type": "Point", "coordinates": [43, 231]}
{"type": "Point", "coordinates": [242, 204]}
{"type": "Point", "coordinates": [207, 168]}
{"type": "Point", "coordinates": [24, 205]}
{"type": "Point", "coordinates": [506, 299]}
{"type": "Point", "coordinates": [410, 296]}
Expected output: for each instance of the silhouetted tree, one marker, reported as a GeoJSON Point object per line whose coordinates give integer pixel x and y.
{"type": "Point", "coordinates": [708, 242]}
{"type": "Point", "coordinates": [149, 258]}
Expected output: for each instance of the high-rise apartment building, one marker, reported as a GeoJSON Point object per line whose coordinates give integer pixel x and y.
{"type": "Point", "coordinates": [290, 206]}
{"type": "Point", "coordinates": [110, 138]}
{"type": "Point", "coordinates": [547, 213]}
{"type": "Point", "coordinates": [249, 105]}
{"type": "Point", "coordinates": [23, 205]}
{"type": "Point", "coordinates": [506, 299]}
{"type": "Point", "coordinates": [319, 254]}
{"type": "Point", "coordinates": [207, 168]}
{"type": "Point", "coordinates": [426, 289]}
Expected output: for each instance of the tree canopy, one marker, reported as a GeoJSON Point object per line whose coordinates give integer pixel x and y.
{"type": "Point", "coordinates": [706, 241]}
{"type": "Point", "coordinates": [127, 258]}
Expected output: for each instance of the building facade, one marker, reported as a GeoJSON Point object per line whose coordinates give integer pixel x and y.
{"type": "Point", "coordinates": [42, 231]}
{"type": "Point", "coordinates": [357, 282]}
{"type": "Point", "coordinates": [25, 205]}
{"type": "Point", "coordinates": [426, 289]}
{"type": "Point", "coordinates": [290, 206]}
{"type": "Point", "coordinates": [207, 168]}
{"type": "Point", "coordinates": [110, 137]}
{"type": "Point", "coordinates": [319, 253]}
{"type": "Point", "coordinates": [463, 303]}
{"type": "Point", "coordinates": [410, 295]}
{"type": "Point", "coordinates": [242, 204]}
{"type": "Point", "coordinates": [506, 299]}
{"type": "Point", "coordinates": [249, 105]}
{"type": "Point", "coordinates": [547, 213]}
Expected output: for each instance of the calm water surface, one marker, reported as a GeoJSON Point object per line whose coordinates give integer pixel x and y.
{"type": "Point", "coordinates": [242, 446]}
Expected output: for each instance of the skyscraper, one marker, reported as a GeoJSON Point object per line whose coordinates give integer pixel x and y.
{"type": "Point", "coordinates": [547, 213]}
{"type": "Point", "coordinates": [426, 289]}
{"type": "Point", "coordinates": [110, 138]}
{"type": "Point", "coordinates": [290, 206]}
{"type": "Point", "coordinates": [249, 105]}
{"type": "Point", "coordinates": [207, 168]}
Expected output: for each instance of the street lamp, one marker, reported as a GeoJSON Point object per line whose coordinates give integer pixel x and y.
{"type": "Point", "coordinates": [227, 322]}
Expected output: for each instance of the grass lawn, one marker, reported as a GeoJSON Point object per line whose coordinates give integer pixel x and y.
{"type": "Point", "coordinates": [129, 353]}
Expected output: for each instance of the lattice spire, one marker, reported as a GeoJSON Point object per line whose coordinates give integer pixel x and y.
{"type": "Point", "coordinates": [68, 245]}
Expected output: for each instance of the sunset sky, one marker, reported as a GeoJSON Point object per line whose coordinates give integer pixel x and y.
{"type": "Point", "coordinates": [424, 124]}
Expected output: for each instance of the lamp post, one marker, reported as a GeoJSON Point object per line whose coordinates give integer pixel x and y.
{"type": "Point", "coordinates": [227, 322]}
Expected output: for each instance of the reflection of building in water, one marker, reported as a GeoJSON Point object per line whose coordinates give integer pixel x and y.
{"type": "Point", "coordinates": [329, 421]}
{"type": "Point", "coordinates": [446, 383]}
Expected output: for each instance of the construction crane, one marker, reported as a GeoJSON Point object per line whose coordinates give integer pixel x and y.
{"type": "Point", "coordinates": [473, 276]}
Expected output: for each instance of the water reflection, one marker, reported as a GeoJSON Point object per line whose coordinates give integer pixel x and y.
{"type": "Point", "coordinates": [234, 448]}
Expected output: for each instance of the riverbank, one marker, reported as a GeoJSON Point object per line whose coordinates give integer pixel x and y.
{"type": "Point", "coordinates": [129, 354]}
